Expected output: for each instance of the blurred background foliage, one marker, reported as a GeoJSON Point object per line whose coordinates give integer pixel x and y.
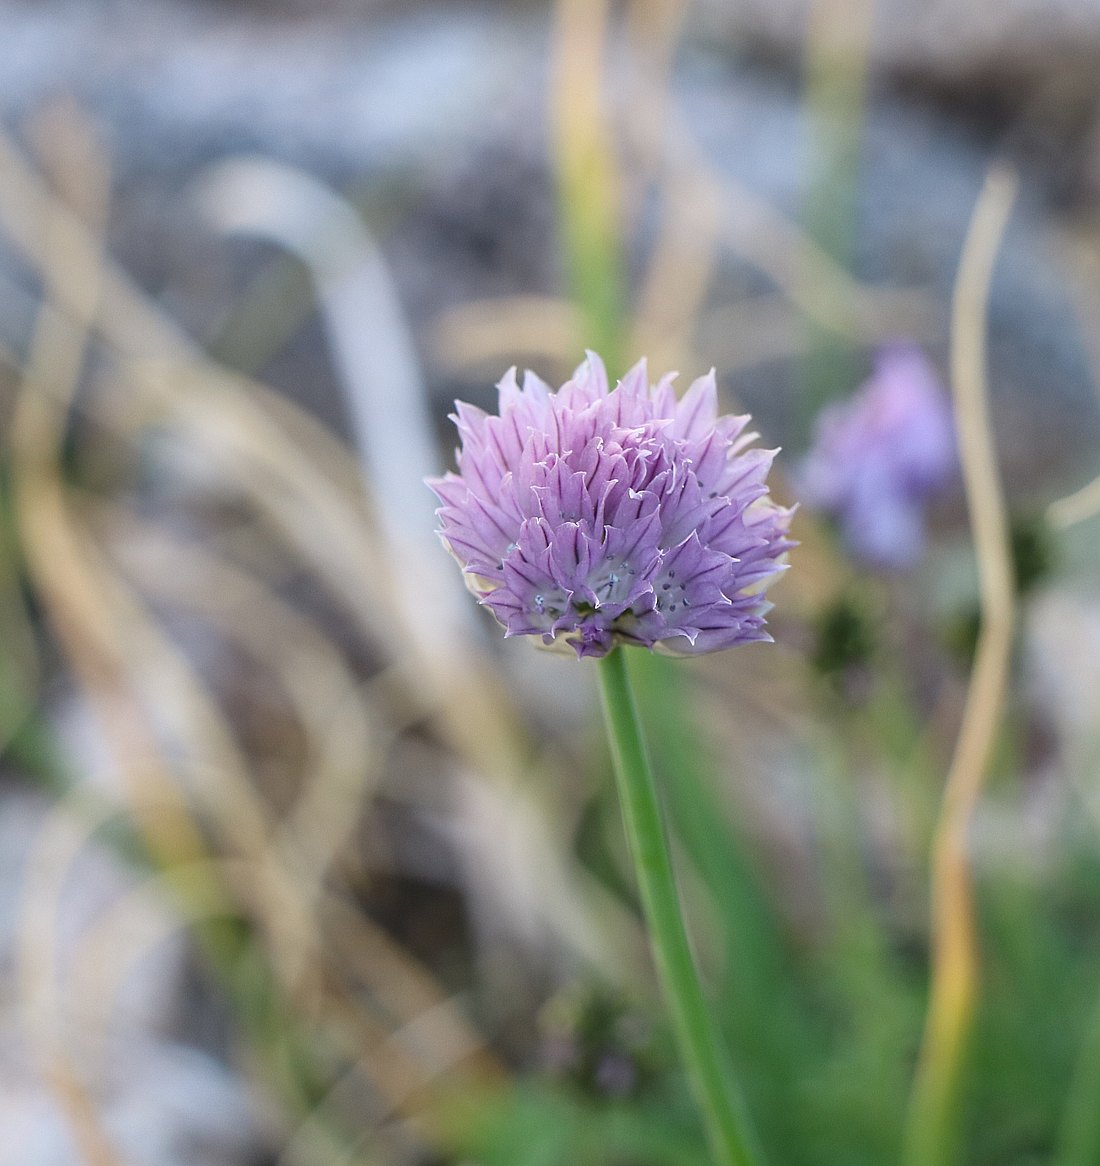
{"type": "Point", "coordinates": [302, 863]}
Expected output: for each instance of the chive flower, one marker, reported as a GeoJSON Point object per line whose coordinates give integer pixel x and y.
{"type": "Point", "coordinates": [594, 516]}
{"type": "Point", "coordinates": [878, 458]}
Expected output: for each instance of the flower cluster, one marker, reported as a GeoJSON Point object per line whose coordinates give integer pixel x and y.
{"type": "Point", "coordinates": [596, 516]}
{"type": "Point", "coordinates": [878, 457]}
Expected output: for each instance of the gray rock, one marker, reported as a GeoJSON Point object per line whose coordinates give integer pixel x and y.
{"type": "Point", "coordinates": [169, 1105]}
{"type": "Point", "coordinates": [436, 114]}
{"type": "Point", "coordinates": [973, 49]}
{"type": "Point", "coordinates": [90, 885]}
{"type": "Point", "coordinates": [156, 1100]}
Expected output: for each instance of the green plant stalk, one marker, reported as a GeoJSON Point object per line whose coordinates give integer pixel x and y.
{"type": "Point", "coordinates": [837, 49]}
{"type": "Point", "coordinates": [1079, 1135]}
{"type": "Point", "coordinates": [932, 1135]}
{"type": "Point", "coordinates": [587, 175]}
{"type": "Point", "coordinates": [732, 1140]}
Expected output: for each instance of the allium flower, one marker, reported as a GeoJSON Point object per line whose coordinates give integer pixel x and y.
{"type": "Point", "coordinates": [596, 516]}
{"type": "Point", "coordinates": [879, 456]}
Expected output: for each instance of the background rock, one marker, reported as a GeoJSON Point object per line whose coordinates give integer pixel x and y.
{"type": "Point", "coordinates": [432, 118]}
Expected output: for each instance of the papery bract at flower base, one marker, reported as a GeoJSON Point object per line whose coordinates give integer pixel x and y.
{"type": "Point", "coordinates": [594, 516]}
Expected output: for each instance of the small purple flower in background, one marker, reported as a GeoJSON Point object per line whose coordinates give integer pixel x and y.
{"type": "Point", "coordinates": [599, 516]}
{"type": "Point", "coordinates": [878, 457]}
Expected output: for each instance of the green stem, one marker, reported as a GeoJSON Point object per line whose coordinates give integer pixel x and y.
{"type": "Point", "coordinates": [1079, 1141]}
{"type": "Point", "coordinates": [837, 43]}
{"type": "Point", "coordinates": [732, 1140]}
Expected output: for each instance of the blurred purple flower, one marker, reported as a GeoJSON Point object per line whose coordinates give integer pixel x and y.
{"type": "Point", "coordinates": [616, 1073]}
{"type": "Point", "coordinates": [596, 516]}
{"type": "Point", "coordinates": [878, 457]}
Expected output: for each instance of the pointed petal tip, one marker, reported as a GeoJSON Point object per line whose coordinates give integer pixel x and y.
{"type": "Point", "coordinates": [594, 367]}
{"type": "Point", "coordinates": [641, 365]}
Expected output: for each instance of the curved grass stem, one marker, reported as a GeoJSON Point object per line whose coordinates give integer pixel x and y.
{"type": "Point", "coordinates": [932, 1136]}
{"type": "Point", "coordinates": [716, 1091]}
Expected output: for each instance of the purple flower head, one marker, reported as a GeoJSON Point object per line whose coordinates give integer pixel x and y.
{"type": "Point", "coordinates": [879, 456]}
{"type": "Point", "coordinates": [594, 517]}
